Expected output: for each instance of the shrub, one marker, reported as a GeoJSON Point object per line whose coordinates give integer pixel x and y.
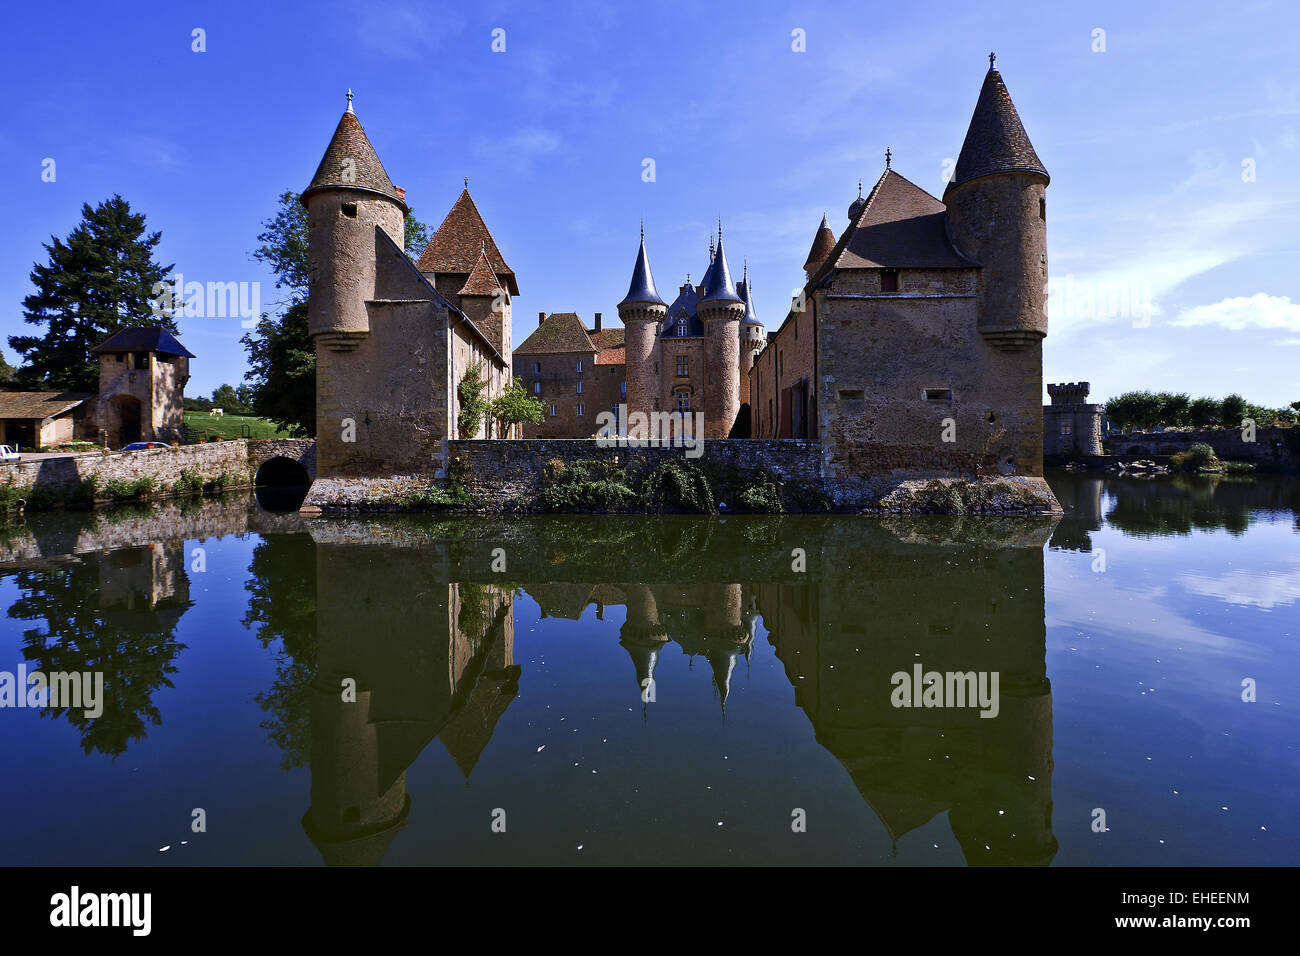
{"type": "Point", "coordinates": [1195, 458]}
{"type": "Point", "coordinates": [761, 497]}
{"type": "Point", "coordinates": [190, 482]}
{"type": "Point", "coordinates": [588, 484]}
{"type": "Point", "coordinates": [678, 486]}
{"type": "Point", "coordinates": [13, 496]}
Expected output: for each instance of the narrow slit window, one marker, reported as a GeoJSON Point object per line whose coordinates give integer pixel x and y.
{"type": "Point", "coordinates": [938, 395]}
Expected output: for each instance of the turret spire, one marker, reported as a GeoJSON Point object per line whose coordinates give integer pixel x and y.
{"type": "Point", "coordinates": [719, 285]}
{"type": "Point", "coordinates": [642, 287]}
{"type": "Point", "coordinates": [349, 109]}
{"type": "Point", "coordinates": [996, 141]}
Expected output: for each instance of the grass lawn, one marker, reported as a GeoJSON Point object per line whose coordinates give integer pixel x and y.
{"type": "Point", "coordinates": [200, 425]}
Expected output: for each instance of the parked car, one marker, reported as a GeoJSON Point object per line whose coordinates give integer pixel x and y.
{"type": "Point", "coordinates": [141, 445]}
{"type": "Point", "coordinates": [9, 453]}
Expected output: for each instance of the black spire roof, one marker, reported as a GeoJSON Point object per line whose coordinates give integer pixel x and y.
{"type": "Point", "coordinates": [996, 141]}
{"type": "Point", "coordinates": [718, 285]}
{"type": "Point", "coordinates": [148, 338]}
{"type": "Point", "coordinates": [642, 287]}
{"type": "Point", "coordinates": [746, 292]}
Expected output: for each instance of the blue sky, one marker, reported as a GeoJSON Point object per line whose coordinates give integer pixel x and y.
{"type": "Point", "coordinates": [1150, 204]}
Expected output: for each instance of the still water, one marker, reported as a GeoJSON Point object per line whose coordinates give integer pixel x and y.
{"type": "Point", "coordinates": [661, 691]}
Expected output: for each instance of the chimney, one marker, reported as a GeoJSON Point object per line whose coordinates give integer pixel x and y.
{"type": "Point", "coordinates": [597, 321]}
{"type": "Point", "coordinates": [541, 317]}
{"type": "Point", "coordinates": [401, 192]}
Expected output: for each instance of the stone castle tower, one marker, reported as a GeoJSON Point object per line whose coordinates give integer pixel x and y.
{"type": "Point", "coordinates": [997, 216]}
{"type": "Point", "coordinates": [695, 354]}
{"type": "Point", "coordinates": [391, 344]}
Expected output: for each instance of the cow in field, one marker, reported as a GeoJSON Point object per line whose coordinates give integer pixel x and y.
{"type": "Point", "coordinates": [216, 413]}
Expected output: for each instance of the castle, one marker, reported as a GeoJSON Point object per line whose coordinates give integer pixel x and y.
{"type": "Point", "coordinates": [394, 338]}
{"type": "Point", "coordinates": [913, 348]}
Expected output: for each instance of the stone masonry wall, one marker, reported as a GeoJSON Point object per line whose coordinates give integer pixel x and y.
{"type": "Point", "coordinates": [57, 474]}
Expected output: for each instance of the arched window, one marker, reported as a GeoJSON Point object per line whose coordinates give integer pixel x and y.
{"type": "Point", "coordinates": [681, 326]}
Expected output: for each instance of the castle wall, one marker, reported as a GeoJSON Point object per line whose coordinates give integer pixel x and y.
{"type": "Point", "coordinates": [1072, 429]}
{"type": "Point", "coordinates": [786, 362]}
{"type": "Point", "coordinates": [694, 351]}
{"type": "Point", "coordinates": [344, 253]}
{"type": "Point", "coordinates": [896, 367]}
{"type": "Point", "coordinates": [559, 378]}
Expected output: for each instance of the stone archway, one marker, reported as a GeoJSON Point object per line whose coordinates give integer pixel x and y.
{"type": "Point", "coordinates": [281, 484]}
{"type": "Point", "coordinates": [122, 420]}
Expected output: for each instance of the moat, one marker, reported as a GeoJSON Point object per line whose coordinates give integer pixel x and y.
{"type": "Point", "coordinates": [676, 690]}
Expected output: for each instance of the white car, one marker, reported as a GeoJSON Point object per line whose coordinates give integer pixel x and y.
{"type": "Point", "coordinates": [9, 453]}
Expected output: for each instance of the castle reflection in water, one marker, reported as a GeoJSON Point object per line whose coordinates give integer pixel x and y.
{"type": "Point", "coordinates": [414, 614]}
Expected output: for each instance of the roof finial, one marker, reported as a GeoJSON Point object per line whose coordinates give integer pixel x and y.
{"type": "Point", "coordinates": [992, 56]}
{"type": "Point", "coordinates": [467, 182]}
{"type": "Point", "coordinates": [482, 247]}
{"type": "Point", "coordinates": [643, 230]}
{"type": "Point", "coordinates": [719, 230]}
{"type": "Point", "coordinates": [859, 189]}
{"type": "Point", "coordinates": [888, 156]}
{"type": "Point", "coordinates": [349, 109]}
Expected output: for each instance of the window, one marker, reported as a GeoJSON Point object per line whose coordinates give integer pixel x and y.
{"type": "Point", "coordinates": [937, 394]}
{"type": "Point", "coordinates": [1065, 428]}
{"type": "Point", "coordinates": [851, 394]}
{"type": "Point", "coordinates": [537, 388]}
{"type": "Point", "coordinates": [683, 401]}
{"type": "Point", "coordinates": [579, 388]}
{"type": "Point", "coordinates": [888, 280]}
{"type": "Point", "coordinates": [1042, 209]}
{"type": "Point", "coordinates": [350, 210]}
{"type": "Point", "coordinates": [579, 366]}
{"type": "Point", "coordinates": [552, 410]}
{"type": "Point", "coordinates": [581, 410]}
{"type": "Point", "coordinates": [681, 325]}
{"type": "Point", "coordinates": [537, 367]}
{"type": "Point", "coordinates": [622, 389]}
{"type": "Point", "coordinates": [682, 366]}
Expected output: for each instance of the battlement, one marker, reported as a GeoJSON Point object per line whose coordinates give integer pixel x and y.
{"type": "Point", "coordinates": [1069, 393]}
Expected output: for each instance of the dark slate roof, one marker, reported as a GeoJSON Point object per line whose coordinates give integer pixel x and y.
{"type": "Point", "coordinates": [996, 141]}
{"type": "Point", "coordinates": [822, 245]}
{"type": "Point", "coordinates": [459, 241]}
{"type": "Point", "coordinates": [143, 338]}
{"type": "Point", "coordinates": [720, 287]}
{"type": "Point", "coordinates": [482, 280]}
{"type": "Point", "coordinates": [642, 287]}
{"type": "Point", "coordinates": [746, 292]}
{"type": "Point", "coordinates": [708, 273]}
{"type": "Point", "coordinates": [900, 226]}
{"type": "Point", "coordinates": [561, 332]}
{"type": "Point", "coordinates": [684, 305]}
{"type": "Point", "coordinates": [367, 172]}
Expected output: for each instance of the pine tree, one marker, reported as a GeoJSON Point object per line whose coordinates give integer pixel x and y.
{"type": "Point", "coordinates": [102, 278]}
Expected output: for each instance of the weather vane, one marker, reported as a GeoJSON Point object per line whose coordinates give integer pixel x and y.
{"type": "Point", "coordinates": [888, 156]}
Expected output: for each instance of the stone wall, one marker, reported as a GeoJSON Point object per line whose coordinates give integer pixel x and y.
{"type": "Point", "coordinates": [1269, 446]}
{"type": "Point", "coordinates": [163, 464]}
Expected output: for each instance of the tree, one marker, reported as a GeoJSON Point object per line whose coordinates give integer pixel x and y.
{"type": "Point", "coordinates": [1133, 409]}
{"type": "Point", "coordinates": [101, 279]}
{"type": "Point", "coordinates": [6, 373]}
{"type": "Point", "coordinates": [1203, 412]}
{"type": "Point", "coordinates": [282, 381]}
{"type": "Point", "coordinates": [1232, 410]}
{"type": "Point", "coordinates": [515, 406]}
{"type": "Point", "coordinates": [473, 406]}
{"type": "Point", "coordinates": [1173, 410]}
{"type": "Point", "coordinates": [224, 397]}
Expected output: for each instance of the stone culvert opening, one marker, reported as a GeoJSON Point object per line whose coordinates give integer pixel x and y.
{"type": "Point", "coordinates": [281, 484]}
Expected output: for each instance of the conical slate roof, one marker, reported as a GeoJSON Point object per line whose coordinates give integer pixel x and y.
{"type": "Point", "coordinates": [746, 292]}
{"type": "Point", "coordinates": [822, 245]}
{"type": "Point", "coordinates": [719, 286]}
{"type": "Point", "coordinates": [642, 286]}
{"type": "Point", "coordinates": [996, 141]}
{"type": "Point", "coordinates": [351, 162]}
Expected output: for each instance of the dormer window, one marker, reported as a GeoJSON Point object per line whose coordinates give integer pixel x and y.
{"type": "Point", "coordinates": [681, 326]}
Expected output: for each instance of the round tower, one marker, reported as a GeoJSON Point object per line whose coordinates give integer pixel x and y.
{"type": "Point", "coordinates": [997, 216]}
{"type": "Point", "coordinates": [641, 312]}
{"type": "Point", "coordinates": [752, 336]}
{"type": "Point", "coordinates": [349, 197]}
{"type": "Point", "coordinates": [721, 310]}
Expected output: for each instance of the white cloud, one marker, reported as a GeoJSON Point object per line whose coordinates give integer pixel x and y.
{"type": "Point", "coordinates": [1259, 311]}
{"type": "Point", "coordinates": [1263, 589]}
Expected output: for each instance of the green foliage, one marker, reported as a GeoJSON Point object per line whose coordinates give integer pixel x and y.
{"type": "Point", "coordinates": [1147, 410]}
{"type": "Point", "coordinates": [13, 496]}
{"type": "Point", "coordinates": [515, 406]}
{"type": "Point", "coordinates": [282, 371]}
{"type": "Point", "coordinates": [589, 484]}
{"type": "Point", "coordinates": [228, 479]}
{"type": "Point", "coordinates": [190, 482]}
{"type": "Point", "coordinates": [1232, 410]}
{"type": "Point", "coordinates": [678, 486]}
{"type": "Point", "coordinates": [433, 498]}
{"type": "Point", "coordinates": [473, 406]}
{"type": "Point", "coordinates": [761, 496]}
{"type": "Point", "coordinates": [1203, 412]}
{"type": "Point", "coordinates": [1197, 457]}
{"type": "Point", "coordinates": [101, 279]}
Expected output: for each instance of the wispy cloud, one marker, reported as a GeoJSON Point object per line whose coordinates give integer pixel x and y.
{"type": "Point", "coordinates": [1258, 311]}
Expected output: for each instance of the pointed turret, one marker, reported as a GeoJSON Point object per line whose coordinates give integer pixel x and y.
{"type": "Point", "coordinates": [481, 280]}
{"type": "Point", "coordinates": [822, 245]}
{"type": "Point", "coordinates": [752, 335]}
{"type": "Point", "coordinates": [718, 284]}
{"type": "Point", "coordinates": [996, 141]}
{"type": "Point", "coordinates": [350, 162]}
{"type": "Point", "coordinates": [642, 287]}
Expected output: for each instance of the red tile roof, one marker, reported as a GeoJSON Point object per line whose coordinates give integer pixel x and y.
{"type": "Point", "coordinates": [482, 280]}
{"type": "Point", "coordinates": [350, 161]}
{"type": "Point", "coordinates": [459, 241]}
